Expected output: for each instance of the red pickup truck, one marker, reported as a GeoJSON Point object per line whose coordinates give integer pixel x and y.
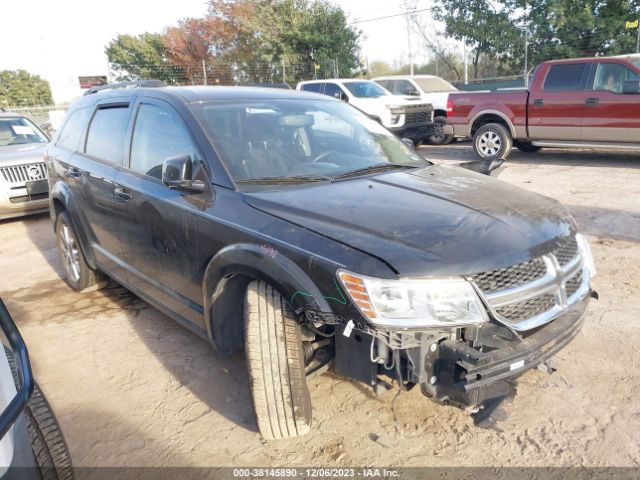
{"type": "Point", "coordinates": [582, 103]}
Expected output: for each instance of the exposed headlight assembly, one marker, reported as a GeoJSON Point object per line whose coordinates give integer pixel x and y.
{"type": "Point", "coordinates": [414, 302]}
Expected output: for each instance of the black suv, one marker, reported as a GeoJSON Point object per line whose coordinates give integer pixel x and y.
{"type": "Point", "coordinates": [293, 225]}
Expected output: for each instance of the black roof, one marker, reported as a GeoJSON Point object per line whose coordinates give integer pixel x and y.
{"type": "Point", "coordinates": [202, 94]}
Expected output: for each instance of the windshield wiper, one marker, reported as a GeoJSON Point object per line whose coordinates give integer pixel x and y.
{"type": "Point", "coordinates": [287, 179]}
{"type": "Point", "coordinates": [375, 168]}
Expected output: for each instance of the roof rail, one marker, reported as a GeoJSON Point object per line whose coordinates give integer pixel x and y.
{"type": "Point", "coordinates": [136, 84]}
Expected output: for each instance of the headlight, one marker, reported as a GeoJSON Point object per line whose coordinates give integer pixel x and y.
{"type": "Point", "coordinates": [414, 303]}
{"type": "Point", "coordinates": [585, 249]}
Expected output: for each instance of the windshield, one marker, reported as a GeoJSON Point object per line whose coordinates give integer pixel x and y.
{"type": "Point", "coordinates": [300, 140]}
{"type": "Point", "coordinates": [434, 84]}
{"type": "Point", "coordinates": [19, 130]}
{"type": "Point", "coordinates": [636, 62]}
{"type": "Point", "coordinates": [365, 89]}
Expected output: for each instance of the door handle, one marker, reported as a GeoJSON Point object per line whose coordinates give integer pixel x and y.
{"type": "Point", "coordinates": [121, 195]}
{"type": "Point", "coordinates": [74, 172]}
{"type": "Point", "coordinates": [592, 101]}
{"type": "Point", "coordinates": [538, 102]}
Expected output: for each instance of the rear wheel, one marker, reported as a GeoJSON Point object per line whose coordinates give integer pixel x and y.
{"type": "Point", "coordinates": [492, 141]}
{"type": "Point", "coordinates": [526, 147]}
{"type": "Point", "coordinates": [439, 138]}
{"type": "Point", "coordinates": [276, 364]}
{"type": "Point", "coordinates": [78, 274]}
{"type": "Point", "coordinates": [48, 445]}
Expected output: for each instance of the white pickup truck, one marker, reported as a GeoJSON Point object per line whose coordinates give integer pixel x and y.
{"type": "Point", "coordinates": [429, 88]}
{"type": "Point", "coordinates": [406, 116]}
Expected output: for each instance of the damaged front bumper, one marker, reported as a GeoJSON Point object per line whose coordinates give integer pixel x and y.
{"type": "Point", "coordinates": [456, 373]}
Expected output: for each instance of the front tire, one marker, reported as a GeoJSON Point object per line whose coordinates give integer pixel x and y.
{"type": "Point", "coordinates": [492, 141]}
{"type": "Point", "coordinates": [78, 274]}
{"type": "Point", "coordinates": [440, 138]}
{"type": "Point", "coordinates": [275, 360]}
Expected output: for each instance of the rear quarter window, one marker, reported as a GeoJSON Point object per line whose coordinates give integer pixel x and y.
{"type": "Point", "coordinates": [564, 77]}
{"type": "Point", "coordinates": [73, 129]}
{"type": "Point", "coordinates": [105, 139]}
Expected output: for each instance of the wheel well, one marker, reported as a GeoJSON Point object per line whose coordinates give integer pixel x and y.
{"type": "Point", "coordinates": [489, 118]}
{"type": "Point", "coordinates": [58, 207]}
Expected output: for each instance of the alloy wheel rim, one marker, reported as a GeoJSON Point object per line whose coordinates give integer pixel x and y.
{"type": "Point", "coordinates": [70, 253]}
{"type": "Point", "coordinates": [489, 144]}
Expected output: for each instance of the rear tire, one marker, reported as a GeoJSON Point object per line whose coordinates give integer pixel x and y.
{"type": "Point", "coordinates": [49, 448]}
{"type": "Point", "coordinates": [526, 147]}
{"type": "Point", "coordinates": [77, 273]}
{"type": "Point", "coordinates": [492, 141]}
{"type": "Point", "coordinates": [440, 138]}
{"type": "Point", "coordinates": [275, 360]}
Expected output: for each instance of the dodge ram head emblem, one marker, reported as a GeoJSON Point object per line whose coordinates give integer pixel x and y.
{"type": "Point", "coordinates": [33, 172]}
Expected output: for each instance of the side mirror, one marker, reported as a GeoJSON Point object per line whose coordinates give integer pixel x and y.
{"type": "Point", "coordinates": [492, 168]}
{"type": "Point", "coordinates": [177, 174]}
{"type": "Point", "coordinates": [631, 86]}
{"type": "Point", "coordinates": [409, 143]}
{"type": "Point", "coordinates": [413, 93]}
{"type": "Point", "coordinates": [343, 97]}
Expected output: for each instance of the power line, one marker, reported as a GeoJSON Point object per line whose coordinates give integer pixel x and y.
{"type": "Point", "coordinates": [411, 12]}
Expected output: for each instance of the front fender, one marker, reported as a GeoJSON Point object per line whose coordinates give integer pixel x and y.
{"type": "Point", "coordinates": [227, 276]}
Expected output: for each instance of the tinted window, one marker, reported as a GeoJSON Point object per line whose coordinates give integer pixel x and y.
{"type": "Point", "coordinates": [312, 87]}
{"type": "Point", "coordinates": [73, 129]}
{"type": "Point", "coordinates": [403, 87]}
{"type": "Point", "coordinates": [106, 133]}
{"type": "Point", "coordinates": [564, 77]}
{"type": "Point", "coordinates": [611, 77]}
{"type": "Point", "coordinates": [157, 135]}
{"type": "Point", "coordinates": [385, 83]}
{"type": "Point", "coordinates": [365, 89]}
{"type": "Point", "coordinates": [332, 90]}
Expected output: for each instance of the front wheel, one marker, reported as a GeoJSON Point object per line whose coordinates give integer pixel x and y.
{"type": "Point", "coordinates": [492, 141]}
{"type": "Point", "coordinates": [440, 138]}
{"type": "Point", "coordinates": [276, 364]}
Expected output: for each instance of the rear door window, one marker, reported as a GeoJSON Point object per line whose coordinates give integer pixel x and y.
{"type": "Point", "coordinates": [565, 77]}
{"type": "Point", "coordinates": [105, 139]}
{"type": "Point", "coordinates": [312, 87]}
{"type": "Point", "coordinates": [402, 87]}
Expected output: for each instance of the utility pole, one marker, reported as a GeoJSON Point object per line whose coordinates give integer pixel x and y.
{"type": "Point", "coordinates": [526, 59]}
{"type": "Point", "coordinates": [406, 16]}
{"type": "Point", "coordinates": [638, 36]}
{"type": "Point", "coordinates": [284, 73]}
{"type": "Point", "coordinates": [204, 72]}
{"type": "Point", "coordinates": [466, 68]}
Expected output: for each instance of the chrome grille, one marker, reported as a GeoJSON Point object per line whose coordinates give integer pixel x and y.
{"type": "Point", "coordinates": [505, 278]}
{"type": "Point", "coordinates": [567, 252]}
{"type": "Point", "coordinates": [519, 311]}
{"type": "Point", "coordinates": [573, 284]}
{"type": "Point", "coordinates": [21, 174]}
{"type": "Point", "coordinates": [531, 293]}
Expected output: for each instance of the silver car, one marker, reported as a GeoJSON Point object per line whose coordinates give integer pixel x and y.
{"type": "Point", "coordinates": [23, 174]}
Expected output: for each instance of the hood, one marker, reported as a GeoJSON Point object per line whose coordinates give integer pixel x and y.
{"type": "Point", "coordinates": [439, 220]}
{"type": "Point", "coordinates": [25, 153]}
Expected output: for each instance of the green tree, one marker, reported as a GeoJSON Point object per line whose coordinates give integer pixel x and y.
{"type": "Point", "coordinates": [18, 88]}
{"type": "Point", "coordinates": [487, 27]}
{"type": "Point", "coordinates": [578, 28]}
{"type": "Point", "coordinates": [140, 57]}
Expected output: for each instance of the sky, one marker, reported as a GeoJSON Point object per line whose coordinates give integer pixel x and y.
{"type": "Point", "coordinates": [61, 40]}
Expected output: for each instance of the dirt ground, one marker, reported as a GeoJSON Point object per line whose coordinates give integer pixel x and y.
{"type": "Point", "coordinates": [132, 388]}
